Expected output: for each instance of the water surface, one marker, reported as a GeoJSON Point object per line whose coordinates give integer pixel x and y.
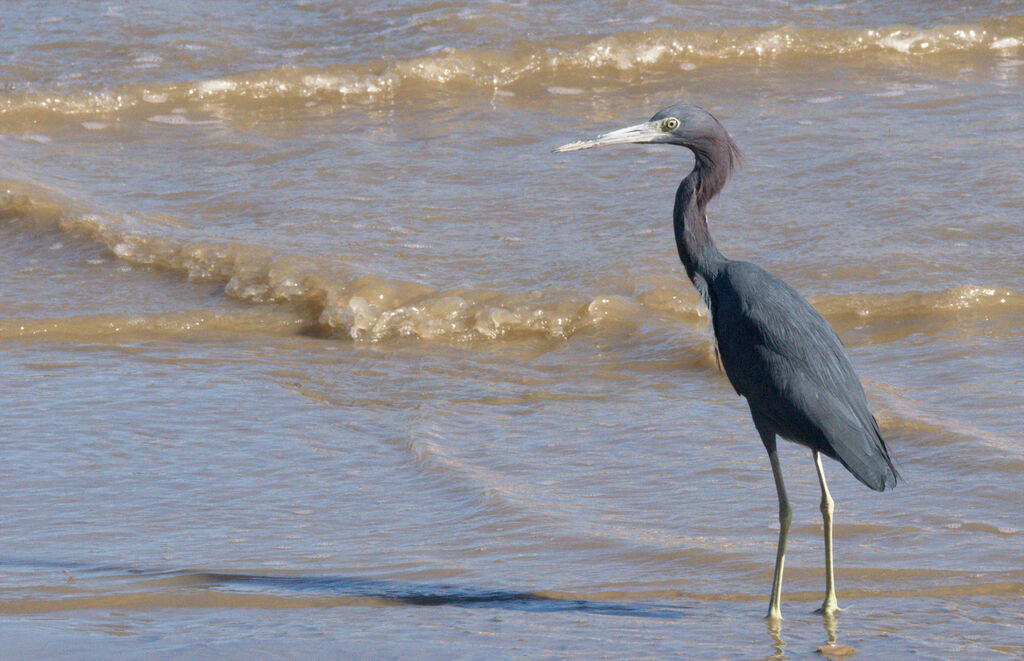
{"type": "Point", "coordinates": [309, 345]}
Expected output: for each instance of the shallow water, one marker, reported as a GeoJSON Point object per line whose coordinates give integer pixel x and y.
{"type": "Point", "coordinates": [310, 345]}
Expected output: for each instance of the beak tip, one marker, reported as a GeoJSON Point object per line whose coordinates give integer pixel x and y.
{"type": "Point", "coordinates": [574, 146]}
{"type": "Point", "coordinates": [641, 133]}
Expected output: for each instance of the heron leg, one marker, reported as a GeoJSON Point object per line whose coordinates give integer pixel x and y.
{"type": "Point", "coordinates": [785, 516]}
{"type": "Point", "coordinates": [831, 604]}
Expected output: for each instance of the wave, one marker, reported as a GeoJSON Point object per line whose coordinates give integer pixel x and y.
{"type": "Point", "coordinates": [120, 328]}
{"type": "Point", "coordinates": [332, 300]}
{"type": "Point", "coordinates": [952, 304]}
{"type": "Point", "coordinates": [544, 62]}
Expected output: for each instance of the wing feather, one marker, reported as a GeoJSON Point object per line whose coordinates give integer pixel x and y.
{"type": "Point", "coordinates": [782, 355]}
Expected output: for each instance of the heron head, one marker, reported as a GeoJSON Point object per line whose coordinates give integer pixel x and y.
{"type": "Point", "coordinates": [680, 124]}
{"type": "Point", "coordinates": [715, 154]}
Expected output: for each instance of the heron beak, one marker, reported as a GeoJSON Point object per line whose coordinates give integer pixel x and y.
{"type": "Point", "coordinates": [646, 132]}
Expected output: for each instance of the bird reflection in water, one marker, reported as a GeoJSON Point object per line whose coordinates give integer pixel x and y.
{"type": "Point", "coordinates": [830, 649]}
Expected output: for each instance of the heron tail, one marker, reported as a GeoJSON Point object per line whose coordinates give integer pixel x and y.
{"type": "Point", "coordinates": [869, 460]}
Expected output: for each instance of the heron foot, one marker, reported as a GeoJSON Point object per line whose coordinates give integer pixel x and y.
{"type": "Point", "coordinates": [829, 608]}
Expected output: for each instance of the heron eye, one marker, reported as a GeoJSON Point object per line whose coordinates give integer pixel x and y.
{"type": "Point", "coordinates": [671, 124]}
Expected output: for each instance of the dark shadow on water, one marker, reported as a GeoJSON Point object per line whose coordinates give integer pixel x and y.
{"type": "Point", "coordinates": [398, 592]}
{"type": "Point", "coordinates": [439, 594]}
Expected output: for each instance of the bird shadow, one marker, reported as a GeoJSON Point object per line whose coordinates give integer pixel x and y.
{"type": "Point", "coordinates": [409, 593]}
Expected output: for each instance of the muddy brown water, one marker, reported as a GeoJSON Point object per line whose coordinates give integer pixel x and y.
{"type": "Point", "coordinates": [310, 346]}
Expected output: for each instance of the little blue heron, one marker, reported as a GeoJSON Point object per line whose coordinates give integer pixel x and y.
{"type": "Point", "coordinates": [776, 349]}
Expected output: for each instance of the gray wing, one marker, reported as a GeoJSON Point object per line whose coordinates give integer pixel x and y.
{"type": "Point", "coordinates": [782, 355]}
